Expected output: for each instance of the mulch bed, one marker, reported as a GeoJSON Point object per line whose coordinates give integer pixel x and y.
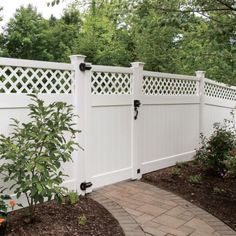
{"type": "Point", "coordinates": [62, 219]}
{"type": "Point", "coordinates": [215, 194]}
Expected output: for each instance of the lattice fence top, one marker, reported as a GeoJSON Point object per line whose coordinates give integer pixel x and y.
{"type": "Point", "coordinates": [217, 91]}
{"type": "Point", "coordinates": [169, 86]}
{"type": "Point", "coordinates": [27, 80]}
{"type": "Point", "coordinates": [111, 83]}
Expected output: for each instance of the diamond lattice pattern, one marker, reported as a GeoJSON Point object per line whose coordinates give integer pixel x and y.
{"type": "Point", "coordinates": [111, 83]}
{"type": "Point", "coordinates": [28, 80]}
{"type": "Point", "coordinates": [169, 86]}
{"type": "Point", "coordinates": [217, 91]}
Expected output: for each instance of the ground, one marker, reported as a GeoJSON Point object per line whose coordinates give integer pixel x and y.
{"type": "Point", "coordinates": [67, 220]}
{"type": "Point", "coordinates": [213, 193]}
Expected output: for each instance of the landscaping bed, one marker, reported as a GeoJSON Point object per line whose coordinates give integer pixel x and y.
{"type": "Point", "coordinates": [211, 192]}
{"type": "Point", "coordinates": [86, 218]}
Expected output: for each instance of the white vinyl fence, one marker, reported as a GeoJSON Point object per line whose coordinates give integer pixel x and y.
{"type": "Point", "coordinates": [120, 141]}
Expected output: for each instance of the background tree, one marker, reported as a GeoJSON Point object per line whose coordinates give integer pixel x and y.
{"type": "Point", "coordinates": [63, 35]}
{"type": "Point", "coordinates": [179, 36]}
{"type": "Point", "coordinates": [155, 34]}
{"type": "Point", "coordinates": [220, 43]}
{"type": "Point", "coordinates": [23, 36]}
{"type": "Point", "coordinates": [28, 35]}
{"type": "Point", "coordinates": [105, 38]}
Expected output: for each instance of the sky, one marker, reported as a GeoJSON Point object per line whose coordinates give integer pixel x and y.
{"type": "Point", "coordinates": [10, 6]}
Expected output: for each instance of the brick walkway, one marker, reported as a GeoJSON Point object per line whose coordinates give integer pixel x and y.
{"type": "Point", "coordinates": [144, 210]}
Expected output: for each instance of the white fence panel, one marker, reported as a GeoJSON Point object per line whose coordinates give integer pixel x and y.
{"type": "Point", "coordinates": [171, 133]}
{"type": "Point", "coordinates": [170, 119]}
{"type": "Point", "coordinates": [220, 101]}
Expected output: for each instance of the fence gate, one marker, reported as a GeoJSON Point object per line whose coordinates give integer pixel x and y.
{"type": "Point", "coordinates": [105, 97]}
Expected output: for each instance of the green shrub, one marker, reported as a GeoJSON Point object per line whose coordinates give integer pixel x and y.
{"type": "Point", "coordinates": [33, 153]}
{"type": "Point", "coordinates": [216, 149]}
{"type": "Point", "coordinates": [194, 179]}
{"type": "Point", "coordinates": [230, 164]}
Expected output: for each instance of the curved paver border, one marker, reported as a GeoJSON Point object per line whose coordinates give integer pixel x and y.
{"type": "Point", "coordinates": [126, 221]}
{"type": "Point", "coordinates": [138, 205]}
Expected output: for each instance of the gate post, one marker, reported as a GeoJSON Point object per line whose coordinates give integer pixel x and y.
{"type": "Point", "coordinates": [81, 97]}
{"type": "Point", "coordinates": [137, 124]}
{"type": "Point", "coordinates": [201, 76]}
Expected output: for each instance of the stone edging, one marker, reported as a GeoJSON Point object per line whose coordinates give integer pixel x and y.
{"type": "Point", "coordinates": [126, 221]}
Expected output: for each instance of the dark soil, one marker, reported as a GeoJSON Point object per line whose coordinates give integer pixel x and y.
{"type": "Point", "coordinates": [63, 220]}
{"type": "Point", "coordinates": [215, 194]}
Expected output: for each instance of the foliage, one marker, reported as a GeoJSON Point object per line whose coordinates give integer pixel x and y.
{"type": "Point", "coordinates": [72, 197]}
{"type": "Point", "coordinates": [23, 36]}
{"type": "Point", "coordinates": [230, 164]}
{"type": "Point", "coordinates": [194, 179]}
{"type": "Point", "coordinates": [216, 149]}
{"type": "Point", "coordinates": [5, 202]}
{"type": "Point", "coordinates": [105, 38]}
{"type": "Point", "coordinates": [155, 33]}
{"type": "Point", "coordinates": [28, 35]}
{"type": "Point", "coordinates": [218, 190]}
{"type": "Point", "coordinates": [82, 220]}
{"type": "Point", "coordinates": [33, 153]}
{"type": "Point", "coordinates": [3, 199]}
{"type": "Point", "coordinates": [182, 164]}
{"type": "Point", "coordinates": [175, 171]}
{"type": "Point", "coordinates": [63, 34]}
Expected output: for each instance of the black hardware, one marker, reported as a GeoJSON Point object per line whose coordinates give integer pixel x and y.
{"type": "Point", "coordinates": [83, 67]}
{"type": "Point", "coordinates": [85, 185]}
{"type": "Point", "coordinates": [137, 104]}
{"type": "Point", "coordinates": [138, 171]}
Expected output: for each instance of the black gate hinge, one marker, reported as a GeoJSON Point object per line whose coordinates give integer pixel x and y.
{"type": "Point", "coordinates": [84, 66]}
{"type": "Point", "coordinates": [85, 185]}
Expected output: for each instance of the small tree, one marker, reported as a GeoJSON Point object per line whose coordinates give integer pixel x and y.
{"type": "Point", "coordinates": [33, 153]}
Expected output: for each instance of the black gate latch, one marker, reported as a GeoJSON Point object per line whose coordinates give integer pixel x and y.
{"type": "Point", "coordinates": [85, 185]}
{"type": "Point", "coordinates": [137, 104]}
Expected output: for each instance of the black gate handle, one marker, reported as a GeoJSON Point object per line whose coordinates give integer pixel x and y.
{"type": "Point", "coordinates": [136, 113]}
{"type": "Point", "coordinates": [137, 104]}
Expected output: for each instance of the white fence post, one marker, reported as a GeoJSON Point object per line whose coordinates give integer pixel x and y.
{"type": "Point", "coordinates": [137, 143]}
{"type": "Point", "coordinates": [201, 75]}
{"type": "Point", "coordinates": [81, 108]}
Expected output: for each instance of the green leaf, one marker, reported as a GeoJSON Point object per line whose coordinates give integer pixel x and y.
{"type": "Point", "coordinates": [39, 187]}
{"type": "Point", "coordinates": [18, 194]}
{"type": "Point", "coordinates": [6, 197]}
